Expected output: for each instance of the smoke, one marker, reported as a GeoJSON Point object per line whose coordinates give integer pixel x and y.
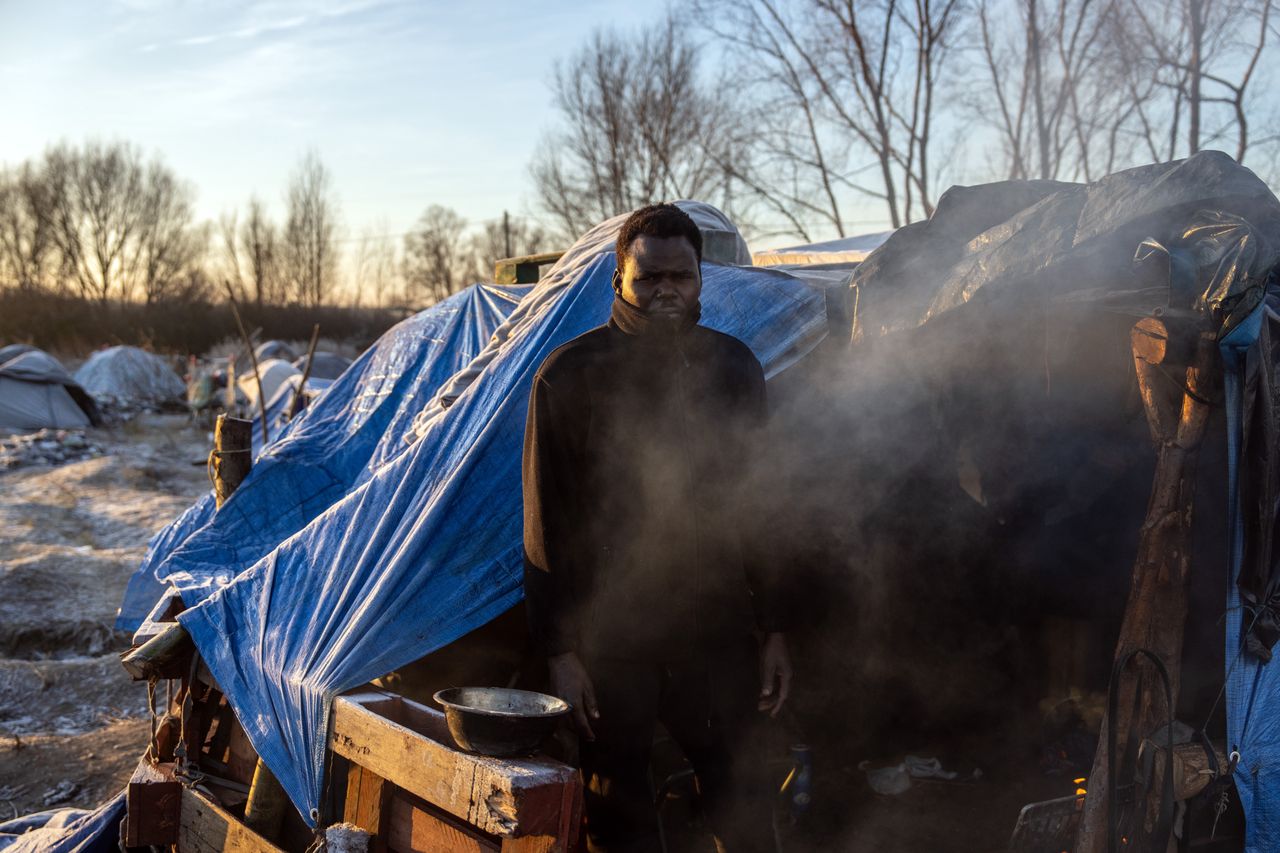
{"type": "Point", "coordinates": [975, 467]}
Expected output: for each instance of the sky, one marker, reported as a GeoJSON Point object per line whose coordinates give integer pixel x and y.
{"type": "Point", "coordinates": [408, 103]}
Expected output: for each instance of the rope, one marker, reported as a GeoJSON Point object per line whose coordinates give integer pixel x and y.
{"type": "Point", "coordinates": [1222, 691]}
{"type": "Point", "coordinates": [1186, 389]}
{"type": "Point", "coordinates": [153, 748]}
{"type": "Point", "coordinates": [208, 466]}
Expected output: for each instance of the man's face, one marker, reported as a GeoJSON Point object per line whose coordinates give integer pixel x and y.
{"type": "Point", "coordinates": [661, 276]}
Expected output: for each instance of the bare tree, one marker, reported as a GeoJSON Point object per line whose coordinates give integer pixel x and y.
{"type": "Point", "coordinates": [639, 126]}
{"type": "Point", "coordinates": [117, 226]}
{"type": "Point", "coordinates": [167, 246]}
{"type": "Point", "coordinates": [93, 214]}
{"type": "Point", "coordinates": [1078, 88]}
{"type": "Point", "coordinates": [259, 246]}
{"type": "Point", "coordinates": [847, 102]}
{"type": "Point", "coordinates": [26, 249]}
{"type": "Point", "coordinates": [505, 238]}
{"type": "Point", "coordinates": [1050, 69]}
{"type": "Point", "coordinates": [310, 252]}
{"type": "Point", "coordinates": [1199, 59]}
{"type": "Point", "coordinates": [376, 274]}
{"type": "Point", "coordinates": [229, 266]}
{"type": "Point", "coordinates": [436, 261]}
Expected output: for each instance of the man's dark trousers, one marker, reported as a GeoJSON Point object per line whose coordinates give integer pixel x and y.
{"type": "Point", "coordinates": [707, 705]}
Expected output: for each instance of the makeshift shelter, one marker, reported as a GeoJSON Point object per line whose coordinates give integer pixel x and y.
{"type": "Point", "coordinates": [124, 374]}
{"type": "Point", "coordinates": [360, 422]}
{"type": "Point", "coordinates": [998, 462]}
{"type": "Point", "coordinates": [397, 565]}
{"type": "Point", "coordinates": [36, 392]}
{"type": "Point", "coordinates": [842, 251]}
{"type": "Point", "coordinates": [980, 448]}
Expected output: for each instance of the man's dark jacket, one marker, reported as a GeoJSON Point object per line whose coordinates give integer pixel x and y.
{"type": "Point", "coordinates": [643, 535]}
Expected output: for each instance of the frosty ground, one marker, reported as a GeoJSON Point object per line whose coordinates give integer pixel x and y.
{"type": "Point", "coordinates": [72, 725]}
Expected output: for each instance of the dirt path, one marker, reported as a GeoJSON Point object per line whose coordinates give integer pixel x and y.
{"type": "Point", "coordinates": [70, 537]}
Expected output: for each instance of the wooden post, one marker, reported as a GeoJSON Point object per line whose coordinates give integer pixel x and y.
{"type": "Point", "coordinates": [1156, 614]}
{"type": "Point", "coordinates": [232, 455]}
{"type": "Point", "coordinates": [166, 655]}
{"type": "Point", "coordinates": [267, 802]}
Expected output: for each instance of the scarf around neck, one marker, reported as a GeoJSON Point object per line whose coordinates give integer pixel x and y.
{"type": "Point", "coordinates": [630, 320]}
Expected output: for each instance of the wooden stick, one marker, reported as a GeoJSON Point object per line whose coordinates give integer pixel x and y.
{"type": "Point", "coordinates": [253, 358]}
{"type": "Point", "coordinates": [306, 372]}
{"type": "Point", "coordinates": [267, 802]}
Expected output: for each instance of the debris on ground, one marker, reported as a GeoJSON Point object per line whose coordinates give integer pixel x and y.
{"type": "Point", "coordinates": [71, 535]}
{"type": "Point", "coordinates": [897, 778]}
{"type": "Point", "coordinates": [47, 447]}
{"type": "Point", "coordinates": [60, 793]}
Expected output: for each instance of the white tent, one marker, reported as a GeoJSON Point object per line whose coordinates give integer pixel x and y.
{"type": "Point", "coordinates": [274, 373]}
{"type": "Point", "coordinates": [845, 250]}
{"type": "Point", "coordinates": [36, 392]}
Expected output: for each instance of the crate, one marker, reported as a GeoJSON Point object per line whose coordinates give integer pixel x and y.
{"type": "Point", "coordinates": [1047, 827]}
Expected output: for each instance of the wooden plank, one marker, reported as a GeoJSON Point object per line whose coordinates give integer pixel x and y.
{"type": "Point", "coordinates": [413, 827]}
{"type": "Point", "coordinates": [503, 797]}
{"type": "Point", "coordinates": [154, 803]}
{"type": "Point", "coordinates": [533, 844]}
{"type": "Point", "coordinates": [241, 758]}
{"type": "Point", "coordinates": [522, 269]}
{"type": "Point", "coordinates": [165, 612]}
{"type": "Point", "coordinates": [208, 828]}
{"type": "Point", "coordinates": [367, 795]}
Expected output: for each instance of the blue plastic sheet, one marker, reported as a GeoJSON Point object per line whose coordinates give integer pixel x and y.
{"type": "Point", "coordinates": [358, 424]}
{"type": "Point", "coordinates": [66, 830]}
{"type": "Point", "coordinates": [429, 546]}
{"type": "Point", "coordinates": [1253, 688]}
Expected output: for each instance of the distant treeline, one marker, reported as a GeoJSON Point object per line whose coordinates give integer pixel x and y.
{"type": "Point", "coordinates": [67, 324]}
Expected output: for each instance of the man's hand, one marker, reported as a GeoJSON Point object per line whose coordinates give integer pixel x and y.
{"type": "Point", "coordinates": [569, 681]}
{"type": "Point", "coordinates": [775, 673]}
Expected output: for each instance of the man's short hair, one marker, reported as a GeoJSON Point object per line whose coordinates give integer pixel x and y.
{"type": "Point", "coordinates": [658, 220]}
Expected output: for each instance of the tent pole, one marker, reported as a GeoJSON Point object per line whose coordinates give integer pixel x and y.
{"type": "Point", "coordinates": [1155, 617]}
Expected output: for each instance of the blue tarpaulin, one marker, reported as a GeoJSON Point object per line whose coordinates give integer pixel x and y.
{"type": "Point", "coordinates": [359, 423]}
{"type": "Point", "coordinates": [66, 830]}
{"type": "Point", "coordinates": [1253, 687]}
{"type": "Point", "coordinates": [428, 547]}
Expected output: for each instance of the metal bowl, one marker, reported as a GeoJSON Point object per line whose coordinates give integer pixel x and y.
{"type": "Point", "coordinates": [499, 721]}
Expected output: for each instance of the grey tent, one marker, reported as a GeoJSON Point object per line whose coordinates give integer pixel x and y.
{"type": "Point", "coordinates": [36, 392]}
{"type": "Point", "coordinates": [274, 349]}
{"type": "Point", "coordinates": [128, 374]}
{"type": "Point", "coordinates": [13, 351]}
{"type": "Point", "coordinates": [324, 365]}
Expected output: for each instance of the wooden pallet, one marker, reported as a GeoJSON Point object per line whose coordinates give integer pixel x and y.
{"type": "Point", "coordinates": [409, 786]}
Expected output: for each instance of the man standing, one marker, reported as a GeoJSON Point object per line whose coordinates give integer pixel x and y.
{"type": "Point", "coordinates": [644, 584]}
